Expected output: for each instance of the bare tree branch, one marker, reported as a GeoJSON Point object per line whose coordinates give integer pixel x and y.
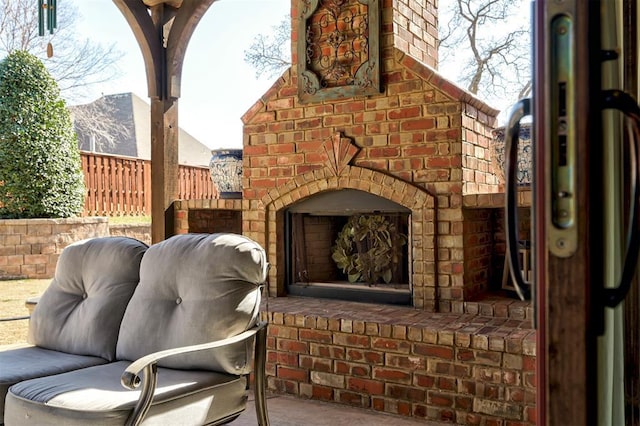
{"type": "Point", "coordinates": [271, 54]}
{"type": "Point", "coordinates": [493, 47]}
{"type": "Point", "coordinates": [484, 38]}
{"type": "Point", "coordinates": [76, 64]}
{"type": "Point", "coordinates": [97, 127]}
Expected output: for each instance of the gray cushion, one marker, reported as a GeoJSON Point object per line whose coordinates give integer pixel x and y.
{"type": "Point", "coordinates": [195, 288]}
{"type": "Point", "coordinates": [94, 395]}
{"type": "Point", "coordinates": [81, 310]}
{"type": "Point", "coordinates": [31, 361]}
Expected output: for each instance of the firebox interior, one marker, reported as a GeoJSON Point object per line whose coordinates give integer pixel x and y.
{"type": "Point", "coordinates": [312, 228]}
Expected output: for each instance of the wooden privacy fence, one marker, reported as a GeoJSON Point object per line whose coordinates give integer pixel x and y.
{"type": "Point", "coordinates": [119, 186]}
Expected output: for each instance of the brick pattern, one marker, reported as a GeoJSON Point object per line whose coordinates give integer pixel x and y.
{"type": "Point", "coordinates": [421, 135]}
{"type": "Point", "coordinates": [420, 202]}
{"type": "Point", "coordinates": [318, 231]}
{"type": "Point", "coordinates": [496, 200]}
{"type": "Point", "coordinates": [415, 28]}
{"type": "Point", "coordinates": [478, 250]}
{"type": "Point", "coordinates": [139, 232]}
{"type": "Point", "coordinates": [485, 240]}
{"type": "Point", "coordinates": [440, 367]}
{"type": "Point", "coordinates": [478, 172]}
{"type": "Point", "coordinates": [493, 305]}
{"type": "Point", "coordinates": [182, 214]}
{"type": "Point", "coordinates": [30, 248]}
{"type": "Point", "coordinates": [215, 220]}
{"type": "Point", "coordinates": [500, 242]}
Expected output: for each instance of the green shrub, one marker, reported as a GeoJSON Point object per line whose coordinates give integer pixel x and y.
{"type": "Point", "coordinates": [368, 248]}
{"type": "Point", "coordinates": [40, 170]}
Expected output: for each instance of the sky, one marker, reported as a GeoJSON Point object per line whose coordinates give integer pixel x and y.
{"type": "Point", "coordinates": [218, 87]}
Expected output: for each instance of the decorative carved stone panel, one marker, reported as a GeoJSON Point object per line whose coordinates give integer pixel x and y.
{"type": "Point", "coordinates": [338, 49]}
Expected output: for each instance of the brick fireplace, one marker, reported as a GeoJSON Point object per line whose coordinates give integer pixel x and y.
{"type": "Point", "coordinates": [373, 129]}
{"type": "Point", "coordinates": [416, 140]}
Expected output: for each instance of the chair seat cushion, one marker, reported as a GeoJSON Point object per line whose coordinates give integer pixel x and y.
{"type": "Point", "coordinates": [94, 395]}
{"type": "Point", "coordinates": [31, 361]}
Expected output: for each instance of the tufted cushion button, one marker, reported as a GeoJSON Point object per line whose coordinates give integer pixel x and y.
{"type": "Point", "coordinates": [84, 295]}
{"type": "Point", "coordinates": [178, 300]}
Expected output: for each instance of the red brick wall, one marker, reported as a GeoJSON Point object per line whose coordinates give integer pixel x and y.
{"type": "Point", "coordinates": [478, 249]}
{"type": "Point", "coordinates": [318, 241]}
{"type": "Point", "coordinates": [219, 215]}
{"type": "Point", "coordinates": [477, 166]}
{"type": "Point", "coordinates": [415, 28]}
{"type": "Point", "coordinates": [415, 364]}
{"type": "Point", "coordinates": [500, 243]}
{"type": "Point", "coordinates": [213, 221]}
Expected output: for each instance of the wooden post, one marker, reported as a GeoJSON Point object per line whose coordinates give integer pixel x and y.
{"type": "Point", "coordinates": [164, 166]}
{"type": "Point", "coordinates": [163, 29]}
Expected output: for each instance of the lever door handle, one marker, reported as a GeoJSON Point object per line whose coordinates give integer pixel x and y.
{"type": "Point", "coordinates": [521, 109]}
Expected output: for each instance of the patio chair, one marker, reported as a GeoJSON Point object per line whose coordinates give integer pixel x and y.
{"type": "Point", "coordinates": [189, 337]}
{"type": "Point", "coordinates": [77, 320]}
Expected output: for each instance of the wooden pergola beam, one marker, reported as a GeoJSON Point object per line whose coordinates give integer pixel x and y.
{"type": "Point", "coordinates": [172, 3]}
{"type": "Point", "coordinates": [163, 29]}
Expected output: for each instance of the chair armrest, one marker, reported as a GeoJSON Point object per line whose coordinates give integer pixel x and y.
{"type": "Point", "coordinates": [148, 364]}
{"type": "Point", "coordinates": [131, 376]}
{"type": "Point", "coordinates": [15, 318]}
{"type": "Point", "coordinates": [30, 304]}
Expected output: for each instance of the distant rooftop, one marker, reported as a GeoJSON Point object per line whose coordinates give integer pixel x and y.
{"type": "Point", "coordinates": [120, 124]}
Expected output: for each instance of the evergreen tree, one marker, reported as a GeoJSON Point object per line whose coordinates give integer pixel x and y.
{"type": "Point", "coordinates": [40, 173]}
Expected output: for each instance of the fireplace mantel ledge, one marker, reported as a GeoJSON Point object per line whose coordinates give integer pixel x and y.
{"type": "Point", "coordinates": [495, 200]}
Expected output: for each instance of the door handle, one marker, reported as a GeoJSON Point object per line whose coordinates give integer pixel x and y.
{"type": "Point", "coordinates": [621, 101]}
{"type": "Point", "coordinates": [521, 109]}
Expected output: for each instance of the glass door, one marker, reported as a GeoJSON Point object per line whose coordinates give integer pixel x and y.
{"type": "Point", "coordinates": [586, 192]}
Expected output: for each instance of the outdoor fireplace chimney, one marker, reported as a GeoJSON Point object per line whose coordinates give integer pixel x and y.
{"type": "Point", "coordinates": [363, 109]}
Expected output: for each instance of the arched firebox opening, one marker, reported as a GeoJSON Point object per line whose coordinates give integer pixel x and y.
{"type": "Point", "coordinates": [348, 244]}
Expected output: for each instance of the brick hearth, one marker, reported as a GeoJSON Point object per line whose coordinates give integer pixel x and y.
{"type": "Point", "coordinates": [471, 368]}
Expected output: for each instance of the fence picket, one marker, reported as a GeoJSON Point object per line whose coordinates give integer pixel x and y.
{"type": "Point", "coordinates": [118, 186]}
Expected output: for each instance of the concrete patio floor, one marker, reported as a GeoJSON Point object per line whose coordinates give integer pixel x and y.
{"type": "Point", "coordinates": [285, 410]}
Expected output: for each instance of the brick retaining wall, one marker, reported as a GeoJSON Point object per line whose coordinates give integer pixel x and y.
{"type": "Point", "coordinates": [29, 248]}
{"type": "Point", "coordinates": [139, 232]}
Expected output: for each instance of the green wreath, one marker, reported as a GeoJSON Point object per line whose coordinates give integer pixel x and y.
{"type": "Point", "coordinates": [368, 248]}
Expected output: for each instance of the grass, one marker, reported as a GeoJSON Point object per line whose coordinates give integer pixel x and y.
{"type": "Point", "coordinates": [13, 295]}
